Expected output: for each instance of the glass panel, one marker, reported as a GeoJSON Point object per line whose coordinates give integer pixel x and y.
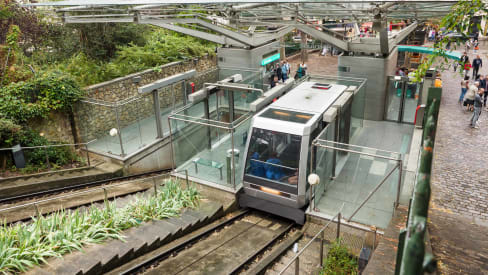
{"type": "Point", "coordinates": [97, 119]}
{"type": "Point", "coordinates": [324, 162]}
{"type": "Point", "coordinates": [411, 100]}
{"type": "Point", "coordinates": [361, 172]}
{"type": "Point", "coordinates": [273, 156]}
{"type": "Point", "coordinates": [394, 99]}
{"type": "Point", "coordinates": [287, 115]}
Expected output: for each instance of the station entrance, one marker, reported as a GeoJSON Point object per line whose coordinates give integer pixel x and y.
{"type": "Point", "coordinates": [403, 97]}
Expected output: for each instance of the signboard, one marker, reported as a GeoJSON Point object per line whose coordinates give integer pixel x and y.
{"type": "Point", "coordinates": [270, 59]}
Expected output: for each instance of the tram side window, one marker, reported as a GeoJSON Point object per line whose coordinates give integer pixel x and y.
{"type": "Point", "coordinates": [274, 156]}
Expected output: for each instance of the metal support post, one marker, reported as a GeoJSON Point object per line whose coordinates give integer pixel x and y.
{"type": "Point", "coordinates": [338, 235]}
{"type": "Point", "coordinates": [304, 52]}
{"type": "Point", "coordinates": [233, 171]}
{"type": "Point", "coordinates": [155, 187]}
{"type": "Point", "coordinates": [186, 178]}
{"type": "Point", "coordinates": [157, 114]}
{"type": "Point", "coordinates": [322, 237]}
{"type": "Point", "coordinates": [47, 158]}
{"type": "Point", "coordinates": [38, 212]}
{"type": "Point", "coordinates": [106, 198]}
{"type": "Point", "coordinates": [207, 116]}
{"type": "Point", "coordinates": [118, 130]}
{"type": "Point", "coordinates": [297, 266]}
{"type": "Point", "coordinates": [399, 187]}
{"type": "Point", "coordinates": [171, 145]}
{"type": "Point", "coordinates": [87, 155]}
{"type": "Point", "coordinates": [231, 105]}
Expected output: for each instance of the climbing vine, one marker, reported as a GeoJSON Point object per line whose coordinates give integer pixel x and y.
{"type": "Point", "coordinates": [457, 20]}
{"type": "Point", "coordinates": [38, 96]}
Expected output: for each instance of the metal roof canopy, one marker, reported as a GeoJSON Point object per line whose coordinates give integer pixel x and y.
{"type": "Point", "coordinates": [246, 23]}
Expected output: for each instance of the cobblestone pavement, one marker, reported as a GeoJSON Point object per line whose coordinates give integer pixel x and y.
{"type": "Point", "coordinates": [459, 205]}
{"type": "Point", "coordinates": [316, 64]}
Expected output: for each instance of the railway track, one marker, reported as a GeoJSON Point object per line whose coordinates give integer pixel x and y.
{"type": "Point", "coordinates": [82, 195]}
{"type": "Point", "coordinates": [245, 243]}
{"type": "Point", "coordinates": [80, 186]}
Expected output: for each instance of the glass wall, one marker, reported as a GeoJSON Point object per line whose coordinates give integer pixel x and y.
{"type": "Point", "coordinates": [364, 169]}
{"type": "Point", "coordinates": [133, 117]}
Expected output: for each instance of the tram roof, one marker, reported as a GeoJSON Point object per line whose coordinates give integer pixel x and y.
{"type": "Point", "coordinates": [310, 97]}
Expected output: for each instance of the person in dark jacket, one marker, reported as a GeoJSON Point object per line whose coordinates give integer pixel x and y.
{"type": "Point", "coordinates": [477, 63]}
{"type": "Point", "coordinates": [278, 71]}
{"type": "Point", "coordinates": [464, 60]}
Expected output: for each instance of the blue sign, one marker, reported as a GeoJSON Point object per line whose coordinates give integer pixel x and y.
{"type": "Point", "coordinates": [270, 59]}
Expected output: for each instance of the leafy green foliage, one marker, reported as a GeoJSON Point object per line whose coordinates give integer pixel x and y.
{"type": "Point", "coordinates": [162, 47]}
{"type": "Point", "coordinates": [36, 97]}
{"type": "Point", "coordinates": [9, 132]}
{"type": "Point", "coordinates": [457, 20]}
{"type": "Point", "coordinates": [25, 245]}
{"type": "Point", "coordinates": [339, 261]}
{"type": "Point", "coordinates": [28, 21]}
{"type": "Point", "coordinates": [37, 157]}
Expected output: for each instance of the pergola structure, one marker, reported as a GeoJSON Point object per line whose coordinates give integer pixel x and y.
{"type": "Point", "coordinates": [253, 23]}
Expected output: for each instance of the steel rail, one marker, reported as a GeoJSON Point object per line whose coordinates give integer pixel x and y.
{"type": "Point", "coordinates": [77, 193]}
{"type": "Point", "coordinates": [94, 183]}
{"type": "Point", "coordinates": [181, 245]}
{"type": "Point", "coordinates": [263, 248]}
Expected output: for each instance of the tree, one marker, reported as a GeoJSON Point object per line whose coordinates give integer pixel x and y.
{"type": "Point", "coordinates": [30, 24]}
{"type": "Point", "coordinates": [459, 20]}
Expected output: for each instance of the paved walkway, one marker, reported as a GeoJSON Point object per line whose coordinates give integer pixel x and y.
{"type": "Point", "coordinates": [459, 206]}
{"type": "Point", "coordinates": [316, 64]}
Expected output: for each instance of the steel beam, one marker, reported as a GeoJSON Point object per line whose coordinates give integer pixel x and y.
{"type": "Point", "coordinates": [203, 35]}
{"type": "Point", "coordinates": [323, 36]}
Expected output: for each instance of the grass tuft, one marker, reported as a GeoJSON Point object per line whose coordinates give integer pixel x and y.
{"type": "Point", "coordinates": [25, 245]}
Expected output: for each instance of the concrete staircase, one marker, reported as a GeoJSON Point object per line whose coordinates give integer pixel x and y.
{"type": "Point", "coordinates": [101, 258]}
{"type": "Point", "coordinates": [16, 186]}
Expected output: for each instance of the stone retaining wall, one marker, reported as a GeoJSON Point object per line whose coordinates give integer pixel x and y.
{"type": "Point", "coordinates": [56, 127]}
{"type": "Point", "coordinates": [120, 95]}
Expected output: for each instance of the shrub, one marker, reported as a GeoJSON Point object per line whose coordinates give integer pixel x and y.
{"type": "Point", "coordinates": [339, 261]}
{"type": "Point", "coordinates": [9, 132]}
{"type": "Point", "coordinates": [38, 96]}
{"type": "Point", "coordinates": [25, 245]}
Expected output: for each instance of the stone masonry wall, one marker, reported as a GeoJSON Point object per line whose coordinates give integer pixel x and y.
{"type": "Point", "coordinates": [56, 127]}
{"type": "Point", "coordinates": [120, 94]}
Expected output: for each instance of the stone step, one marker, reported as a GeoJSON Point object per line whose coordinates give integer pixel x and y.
{"type": "Point", "coordinates": [101, 258]}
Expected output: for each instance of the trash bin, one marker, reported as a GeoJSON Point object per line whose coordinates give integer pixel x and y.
{"type": "Point", "coordinates": [229, 163]}
{"type": "Point", "coordinates": [18, 155]}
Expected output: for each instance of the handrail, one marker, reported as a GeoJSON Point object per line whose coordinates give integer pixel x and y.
{"type": "Point", "coordinates": [376, 189]}
{"type": "Point", "coordinates": [338, 215]}
{"type": "Point", "coordinates": [274, 164]}
{"type": "Point", "coordinates": [48, 146]}
{"type": "Point", "coordinates": [318, 141]}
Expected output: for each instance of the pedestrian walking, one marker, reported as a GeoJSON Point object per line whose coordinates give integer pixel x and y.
{"type": "Point", "coordinates": [476, 46]}
{"type": "Point", "coordinates": [284, 72]}
{"type": "Point", "coordinates": [470, 96]}
{"type": "Point", "coordinates": [477, 63]}
{"type": "Point", "coordinates": [464, 89]}
{"type": "Point", "coordinates": [467, 67]}
{"type": "Point", "coordinates": [477, 108]}
{"type": "Point", "coordinates": [278, 71]}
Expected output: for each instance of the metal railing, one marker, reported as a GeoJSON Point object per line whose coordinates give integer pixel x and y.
{"type": "Point", "coordinates": [411, 257]}
{"type": "Point", "coordinates": [399, 163]}
{"type": "Point", "coordinates": [45, 149]}
{"type": "Point", "coordinates": [321, 233]}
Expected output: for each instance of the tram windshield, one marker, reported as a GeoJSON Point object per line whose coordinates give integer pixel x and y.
{"type": "Point", "coordinates": [273, 157]}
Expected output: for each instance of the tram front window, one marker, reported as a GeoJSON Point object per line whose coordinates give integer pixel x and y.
{"type": "Point", "coordinates": [273, 157]}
